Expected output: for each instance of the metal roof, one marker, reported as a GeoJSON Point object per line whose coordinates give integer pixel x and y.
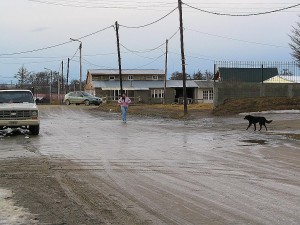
{"type": "Point", "coordinates": [127, 72]}
{"type": "Point", "coordinates": [143, 85]}
{"type": "Point", "coordinates": [179, 84]}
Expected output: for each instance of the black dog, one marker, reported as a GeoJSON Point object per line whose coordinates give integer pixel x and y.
{"type": "Point", "coordinates": [257, 119]}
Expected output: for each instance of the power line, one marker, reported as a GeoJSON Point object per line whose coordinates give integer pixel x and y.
{"type": "Point", "coordinates": [106, 5]}
{"type": "Point", "coordinates": [54, 46]}
{"type": "Point", "coordinates": [142, 51]}
{"type": "Point", "coordinates": [96, 32]}
{"type": "Point", "coordinates": [149, 24]}
{"type": "Point", "coordinates": [242, 15]}
{"type": "Point", "coordinates": [36, 50]}
{"type": "Point", "coordinates": [135, 53]}
{"type": "Point", "coordinates": [150, 62]}
{"type": "Point", "coordinates": [234, 39]}
{"type": "Point", "coordinates": [151, 49]}
{"type": "Point", "coordinates": [88, 62]}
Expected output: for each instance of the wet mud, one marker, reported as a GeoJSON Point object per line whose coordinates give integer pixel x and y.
{"type": "Point", "coordinates": [86, 167]}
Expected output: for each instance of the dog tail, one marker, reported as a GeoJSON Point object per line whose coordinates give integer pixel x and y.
{"type": "Point", "coordinates": [269, 121]}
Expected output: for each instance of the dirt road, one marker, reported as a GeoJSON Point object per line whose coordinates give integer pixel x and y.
{"type": "Point", "coordinates": [86, 167]}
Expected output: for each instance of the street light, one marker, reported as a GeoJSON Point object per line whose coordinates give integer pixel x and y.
{"type": "Point", "coordinates": [50, 83]}
{"type": "Point", "coordinates": [80, 58]}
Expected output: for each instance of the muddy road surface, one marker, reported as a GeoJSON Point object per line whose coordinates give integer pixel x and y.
{"type": "Point", "coordinates": [86, 167]}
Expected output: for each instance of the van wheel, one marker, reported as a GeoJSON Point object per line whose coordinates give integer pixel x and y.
{"type": "Point", "coordinates": [68, 102]}
{"type": "Point", "coordinates": [35, 130]}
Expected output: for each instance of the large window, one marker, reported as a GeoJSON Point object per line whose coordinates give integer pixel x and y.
{"type": "Point", "coordinates": [117, 94]}
{"type": "Point", "coordinates": [157, 93]}
{"type": "Point", "coordinates": [208, 95]}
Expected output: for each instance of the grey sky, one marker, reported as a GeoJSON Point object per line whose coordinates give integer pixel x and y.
{"type": "Point", "coordinates": [27, 25]}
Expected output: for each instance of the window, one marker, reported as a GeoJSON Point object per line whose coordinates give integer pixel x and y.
{"type": "Point", "coordinates": [157, 93]}
{"type": "Point", "coordinates": [205, 95]}
{"type": "Point", "coordinates": [208, 95]}
{"type": "Point", "coordinates": [111, 77]}
{"type": "Point", "coordinates": [155, 77]}
{"type": "Point", "coordinates": [117, 93]}
{"type": "Point", "coordinates": [211, 95]}
{"type": "Point", "coordinates": [130, 77]}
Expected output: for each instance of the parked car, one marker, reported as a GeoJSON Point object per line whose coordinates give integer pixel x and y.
{"type": "Point", "coordinates": [18, 109]}
{"type": "Point", "coordinates": [81, 97]}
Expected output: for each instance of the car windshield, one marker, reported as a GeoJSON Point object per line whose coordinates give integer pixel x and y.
{"type": "Point", "coordinates": [16, 97]}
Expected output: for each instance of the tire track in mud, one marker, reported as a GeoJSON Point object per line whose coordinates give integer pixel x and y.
{"type": "Point", "coordinates": [228, 184]}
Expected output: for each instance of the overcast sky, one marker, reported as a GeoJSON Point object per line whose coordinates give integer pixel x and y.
{"type": "Point", "coordinates": [28, 25]}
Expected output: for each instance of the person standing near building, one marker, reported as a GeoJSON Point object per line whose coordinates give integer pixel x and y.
{"type": "Point", "coordinates": [124, 101]}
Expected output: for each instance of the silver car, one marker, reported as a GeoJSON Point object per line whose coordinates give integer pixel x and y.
{"type": "Point", "coordinates": [81, 97]}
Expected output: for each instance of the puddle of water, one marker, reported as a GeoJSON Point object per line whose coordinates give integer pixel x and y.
{"type": "Point", "coordinates": [259, 142]}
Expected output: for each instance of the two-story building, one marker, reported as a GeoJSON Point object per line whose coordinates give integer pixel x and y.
{"type": "Point", "coordinates": [145, 85]}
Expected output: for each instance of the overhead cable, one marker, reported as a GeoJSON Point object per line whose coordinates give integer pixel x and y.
{"type": "Point", "coordinates": [151, 49]}
{"type": "Point", "coordinates": [136, 53]}
{"type": "Point", "coordinates": [88, 62]}
{"type": "Point", "coordinates": [234, 39]}
{"type": "Point", "coordinates": [54, 46]}
{"type": "Point", "coordinates": [150, 62]}
{"type": "Point", "coordinates": [149, 24]}
{"type": "Point", "coordinates": [36, 50]}
{"type": "Point", "coordinates": [105, 5]}
{"type": "Point", "coordinates": [242, 15]}
{"type": "Point", "coordinates": [96, 32]}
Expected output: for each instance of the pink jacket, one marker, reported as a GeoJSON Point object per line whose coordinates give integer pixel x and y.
{"type": "Point", "coordinates": [125, 102]}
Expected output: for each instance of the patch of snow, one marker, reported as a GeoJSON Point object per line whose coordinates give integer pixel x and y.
{"type": "Point", "coordinates": [11, 214]}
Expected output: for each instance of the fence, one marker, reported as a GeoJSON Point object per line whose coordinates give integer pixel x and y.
{"type": "Point", "coordinates": [257, 72]}
{"type": "Point", "coordinates": [234, 80]}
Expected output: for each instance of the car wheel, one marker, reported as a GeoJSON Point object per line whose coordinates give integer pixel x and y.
{"type": "Point", "coordinates": [68, 102]}
{"type": "Point", "coordinates": [87, 102]}
{"type": "Point", "coordinates": [35, 130]}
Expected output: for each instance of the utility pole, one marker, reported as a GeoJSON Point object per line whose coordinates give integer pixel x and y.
{"type": "Point", "coordinates": [68, 69]}
{"type": "Point", "coordinates": [80, 60]}
{"type": "Point", "coordinates": [182, 58]}
{"type": "Point", "coordinates": [58, 90]}
{"type": "Point", "coordinates": [119, 57]}
{"type": "Point", "coordinates": [62, 77]}
{"type": "Point", "coordinates": [80, 76]}
{"type": "Point", "coordinates": [166, 73]}
{"type": "Point", "coordinates": [50, 84]}
{"type": "Point", "coordinates": [62, 81]}
{"type": "Point", "coordinates": [51, 87]}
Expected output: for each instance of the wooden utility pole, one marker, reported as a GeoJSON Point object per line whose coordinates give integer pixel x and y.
{"type": "Point", "coordinates": [182, 58]}
{"type": "Point", "coordinates": [119, 56]}
{"type": "Point", "coordinates": [80, 76]}
{"type": "Point", "coordinates": [58, 89]}
{"type": "Point", "coordinates": [68, 69]}
{"type": "Point", "coordinates": [166, 73]}
{"type": "Point", "coordinates": [62, 79]}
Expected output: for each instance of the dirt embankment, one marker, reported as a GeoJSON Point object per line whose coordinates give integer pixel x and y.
{"type": "Point", "coordinates": [235, 106]}
{"type": "Point", "coordinates": [229, 107]}
{"type": "Point", "coordinates": [173, 111]}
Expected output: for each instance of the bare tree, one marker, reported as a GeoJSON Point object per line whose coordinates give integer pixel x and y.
{"type": "Point", "coordinates": [295, 44]}
{"type": "Point", "coordinates": [178, 76]}
{"type": "Point", "coordinates": [23, 76]}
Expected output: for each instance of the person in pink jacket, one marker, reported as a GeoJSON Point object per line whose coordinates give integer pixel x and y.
{"type": "Point", "coordinates": [124, 101]}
